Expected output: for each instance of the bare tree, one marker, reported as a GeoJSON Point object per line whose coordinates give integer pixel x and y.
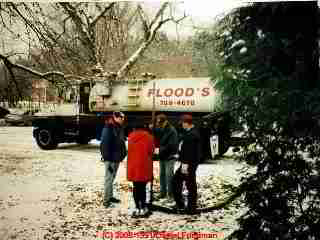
{"type": "Point", "coordinates": [150, 28]}
{"type": "Point", "coordinates": [83, 36]}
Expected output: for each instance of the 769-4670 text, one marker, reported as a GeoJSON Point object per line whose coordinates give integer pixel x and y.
{"type": "Point", "coordinates": [177, 102]}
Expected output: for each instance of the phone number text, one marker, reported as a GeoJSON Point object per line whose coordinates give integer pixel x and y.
{"type": "Point", "coordinates": [177, 102]}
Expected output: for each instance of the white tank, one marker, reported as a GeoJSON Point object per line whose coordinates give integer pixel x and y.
{"type": "Point", "coordinates": [174, 94]}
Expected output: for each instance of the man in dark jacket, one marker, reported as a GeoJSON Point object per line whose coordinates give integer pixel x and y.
{"type": "Point", "coordinates": [113, 151]}
{"type": "Point", "coordinates": [168, 149]}
{"type": "Point", "coordinates": [189, 156]}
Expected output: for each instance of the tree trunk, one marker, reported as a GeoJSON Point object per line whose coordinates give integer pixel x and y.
{"type": "Point", "coordinates": [132, 60]}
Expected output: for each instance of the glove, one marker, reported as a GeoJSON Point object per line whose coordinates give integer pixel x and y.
{"type": "Point", "coordinates": [184, 168]}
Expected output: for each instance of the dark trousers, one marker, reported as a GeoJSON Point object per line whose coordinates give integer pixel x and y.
{"type": "Point", "coordinates": [139, 194]}
{"type": "Point", "coordinates": [191, 184]}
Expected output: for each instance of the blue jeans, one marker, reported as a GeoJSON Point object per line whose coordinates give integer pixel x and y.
{"type": "Point", "coordinates": [111, 169]}
{"type": "Point", "coordinates": [166, 175]}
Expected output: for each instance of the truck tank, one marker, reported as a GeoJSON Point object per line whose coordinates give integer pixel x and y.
{"type": "Point", "coordinates": [171, 95]}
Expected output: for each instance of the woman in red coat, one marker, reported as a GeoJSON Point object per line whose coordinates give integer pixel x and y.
{"type": "Point", "coordinates": [140, 166]}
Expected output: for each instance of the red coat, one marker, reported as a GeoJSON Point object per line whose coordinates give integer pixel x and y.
{"type": "Point", "coordinates": [140, 149]}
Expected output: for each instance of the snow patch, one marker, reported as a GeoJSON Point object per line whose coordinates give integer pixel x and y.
{"type": "Point", "coordinates": [243, 50]}
{"type": "Point", "coordinates": [237, 43]}
{"type": "Point", "coordinates": [260, 34]}
{"type": "Point", "coordinates": [225, 33]}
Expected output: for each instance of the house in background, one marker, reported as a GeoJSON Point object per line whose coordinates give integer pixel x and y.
{"type": "Point", "coordinates": [45, 92]}
{"type": "Point", "coordinates": [41, 91]}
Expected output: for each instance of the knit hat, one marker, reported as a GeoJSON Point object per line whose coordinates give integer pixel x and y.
{"type": "Point", "coordinates": [186, 118]}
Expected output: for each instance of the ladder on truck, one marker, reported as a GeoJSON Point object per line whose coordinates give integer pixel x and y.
{"type": "Point", "coordinates": [134, 91]}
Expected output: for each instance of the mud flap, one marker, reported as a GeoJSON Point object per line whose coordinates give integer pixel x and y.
{"type": "Point", "coordinates": [214, 145]}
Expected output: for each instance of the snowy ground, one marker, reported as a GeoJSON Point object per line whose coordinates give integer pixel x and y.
{"type": "Point", "coordinates": [58, 194]}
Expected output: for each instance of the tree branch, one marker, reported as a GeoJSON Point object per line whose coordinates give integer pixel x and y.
{"type": "Point", "coordinates": [26, 21]}
{"type": "Point", "coordinates": [159, 13]}
{"type": "Point", "coordinates": [64, 22]}
{"type": "Point", "coordinates": [95, 19]}
{"type": "Point", "coordinates": [144, 20]}
{"type": "Point", "coordinates": [10, 66]}
{"type": "Point", "coordinates": [86, 37]}
{"type": "Point", "coordinates": [150, 33]}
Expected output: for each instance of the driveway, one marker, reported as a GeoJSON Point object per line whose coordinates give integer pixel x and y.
{"type": "Point", "coordinates": [57, 194]}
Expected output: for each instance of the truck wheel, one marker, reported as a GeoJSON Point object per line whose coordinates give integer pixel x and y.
{"type": "Point", "coordinates": [45, 139]}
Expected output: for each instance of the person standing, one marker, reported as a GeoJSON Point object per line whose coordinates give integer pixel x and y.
{"type": "Point", "coordinates": [140, 166]}
{"type": "Point", "coordinates": [189, 156]}
{"type": "Point", "coordinates": [168, 148]}
{"type": "Point", "coordinates": [113, 151]}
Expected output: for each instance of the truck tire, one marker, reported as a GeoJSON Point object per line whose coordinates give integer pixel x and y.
{"type": "Point", "coordinates": [46, 139]}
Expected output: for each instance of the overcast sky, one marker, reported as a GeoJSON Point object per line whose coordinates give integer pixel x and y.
{"type": "Point", "coordinates": [201, 13]}
{"type": "Point", "coordinates": [206, 9]}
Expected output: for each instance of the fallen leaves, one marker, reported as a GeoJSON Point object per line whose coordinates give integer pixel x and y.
{"type": "Point", "coordinates": [83, 215]}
